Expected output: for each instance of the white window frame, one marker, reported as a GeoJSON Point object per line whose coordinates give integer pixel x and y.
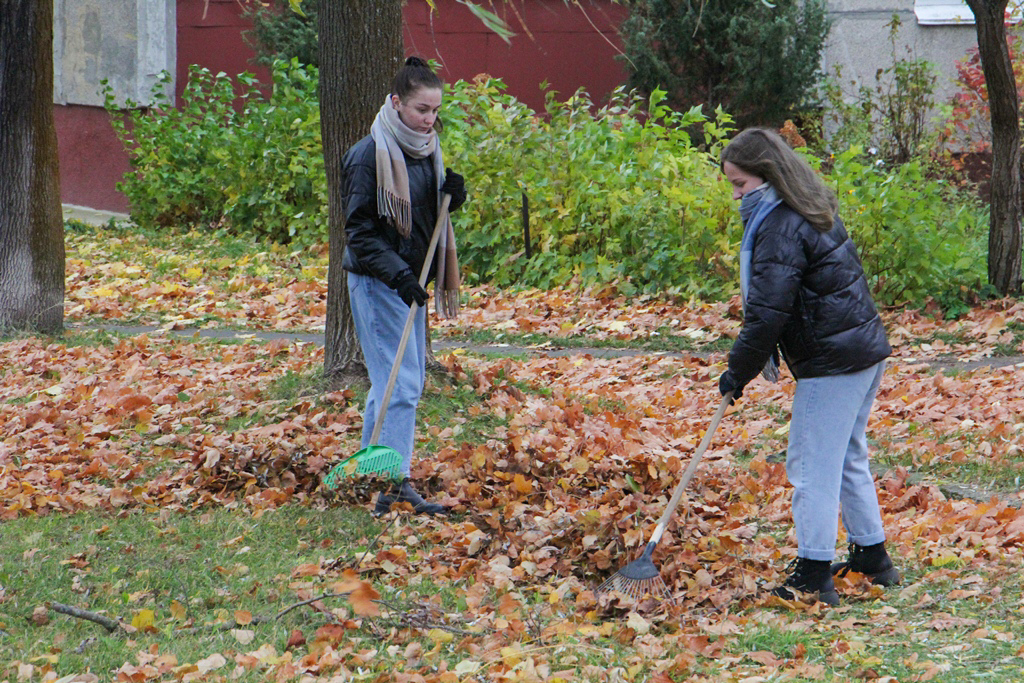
{"type": "Point", "coordinates": [953, 12]}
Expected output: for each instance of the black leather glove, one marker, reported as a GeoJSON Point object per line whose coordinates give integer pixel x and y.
{"type": "Point", "coordinates": [409, 289]}
{"type": "Point", "coordinates": [726, 383]}
{"type": "Point", "coordinates": [454, 185]}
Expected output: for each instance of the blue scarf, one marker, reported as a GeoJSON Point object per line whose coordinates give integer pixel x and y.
{"type": "Point", "coordinates": [754, 208]}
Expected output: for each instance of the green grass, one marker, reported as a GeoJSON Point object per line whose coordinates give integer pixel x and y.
{"type": "Point", "coordinates": [211, 563]}
{"type": "Point", "coordinates": [1013, 347]}
{"type": "Point", "coordinates": [974, 471]}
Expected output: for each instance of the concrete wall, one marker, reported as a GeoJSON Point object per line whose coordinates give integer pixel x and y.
{"type": "Point", "coordinates": [859, 42]}
{"type": "Point", "coordinates": [126, 42]}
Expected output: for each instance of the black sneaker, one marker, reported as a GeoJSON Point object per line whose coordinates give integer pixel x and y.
{"type": "Point", "coordinates": [872, 561]}
{"type": "Point", "coordinates": [809, 576]}
{"type": "Point", "coordinates": [403, 492]}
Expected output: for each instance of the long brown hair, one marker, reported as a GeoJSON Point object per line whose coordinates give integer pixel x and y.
{"type": "Point", "coordinates": [763, 153]}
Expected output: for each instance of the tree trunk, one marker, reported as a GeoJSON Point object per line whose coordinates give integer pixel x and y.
{"type": "Point", "coordinates": [1004, 237]}
{"type": "Point", "coordinates": [31, 225]}
{"type": "Point", "coordinates": [360, 51]}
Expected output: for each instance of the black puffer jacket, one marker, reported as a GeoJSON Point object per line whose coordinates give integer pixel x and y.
{"type": "Point", "coordinates": [807, 294]}
{"type": "Point", "coordinates": [374, 247]}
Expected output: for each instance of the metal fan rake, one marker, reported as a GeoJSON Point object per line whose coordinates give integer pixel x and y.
{"type": "Point", "coordinates": [641, 577]}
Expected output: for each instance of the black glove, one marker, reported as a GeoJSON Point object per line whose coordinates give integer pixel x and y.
{"type": "Point", "coordinates": [726, 383]}
{"type": "Point", "coordinates": [454, 185]}
{"type": "Point", "coordinates": [409, 289]}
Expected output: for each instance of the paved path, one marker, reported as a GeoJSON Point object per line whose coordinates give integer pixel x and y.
{"type": "Point", "coordinates": [944, 363]}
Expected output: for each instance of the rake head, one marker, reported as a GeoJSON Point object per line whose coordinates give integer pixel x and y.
{"type": "Point", "coordinates": [638, 579]}
{"type": "Point", "coordinates": [372, 460]}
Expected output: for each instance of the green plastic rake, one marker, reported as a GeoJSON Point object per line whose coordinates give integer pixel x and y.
{"type": "Point", "coordinates": [379, 461]}
{"type": "Point", "coordinates": [376, 459]}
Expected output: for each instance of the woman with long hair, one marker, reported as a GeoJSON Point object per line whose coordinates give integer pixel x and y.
{"type": "Point", "coordinates": [393, 180]}
{"type": "Point", "coordinates": [805, 295]}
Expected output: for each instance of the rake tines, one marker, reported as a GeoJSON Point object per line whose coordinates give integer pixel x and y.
{"type": "Point", "coordinates": [638, 579]}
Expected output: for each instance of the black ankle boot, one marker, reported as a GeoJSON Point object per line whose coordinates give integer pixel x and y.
{"type": "Point", "coordinates": [809, 576]}
{"type": "Point", "coordinates": [872, 561]}
{"type": "Point", "coordinates": [403, 492]}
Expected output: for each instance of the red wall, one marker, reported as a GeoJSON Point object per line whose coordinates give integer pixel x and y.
{"type": "Point", "coordinates": [569, 45]}
{"type": "Point", "coordinates": [565, 44]}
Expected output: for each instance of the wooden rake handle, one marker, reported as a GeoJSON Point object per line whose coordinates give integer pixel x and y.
{"type": "Point", "coordinates": [690, 469]}
{"type": "Point", "coordinates": [442, 214]}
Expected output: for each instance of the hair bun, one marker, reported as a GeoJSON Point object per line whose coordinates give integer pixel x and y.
{"type": "Point", "coordinates": [416, 61]}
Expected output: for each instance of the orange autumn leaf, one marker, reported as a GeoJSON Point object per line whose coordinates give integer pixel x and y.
{"type": "Point", "coordinates": [362, 600]}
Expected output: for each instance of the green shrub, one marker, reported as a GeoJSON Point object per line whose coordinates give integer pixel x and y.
{"type": "Point", "coordinates": [918, 237]}
{"type": "Point", "coordinates": [280, 33]}
{"type": "Point", "coordinates": [229, 156]}
{"type": "Point", "coordinates": [616, 194]}
{"type": "Point", "coordinates": [176, 178]}
{"type": "Point", "coordinates": [759, 60]}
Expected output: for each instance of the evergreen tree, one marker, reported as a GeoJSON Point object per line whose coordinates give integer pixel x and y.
{"type": "Point", "coordinates": [279, 32]}
{"type": "Point", "coordinates": [760, 61]}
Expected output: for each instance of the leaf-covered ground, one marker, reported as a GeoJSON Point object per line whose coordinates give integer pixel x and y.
{"type": "Point", "coordinates": [559, 468]}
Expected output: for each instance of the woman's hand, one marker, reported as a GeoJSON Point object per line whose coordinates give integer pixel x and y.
{"type": "Point", "coordinates": [726, 383]}
{"type": "Point", "coordinates": [455, 186]}
{"type": "Point", "coordinates": [409, 289]}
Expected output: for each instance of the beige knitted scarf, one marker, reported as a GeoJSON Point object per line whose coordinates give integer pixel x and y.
{"type": "Point", "coordinates": [394, 140]}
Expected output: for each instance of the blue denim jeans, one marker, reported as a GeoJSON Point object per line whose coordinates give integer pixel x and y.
{"type": "Point", "coordinates": [827, 462]}
{"type": "Point", "coordinates": [380, 315]}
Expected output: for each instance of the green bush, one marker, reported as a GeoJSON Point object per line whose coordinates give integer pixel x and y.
{"type": "Point", "coordinates": [918, 237]}
{"type": "Point", "coordinates": [759, 60]}
{"type": "Point", "coordinates": [618, 194]}
{"type": "Point", "coordinates": [229, 156]}
{"type": "Point", "coordinates": [280, 33]}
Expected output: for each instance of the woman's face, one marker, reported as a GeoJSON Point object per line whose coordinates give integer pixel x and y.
{"type": "Point", "coordinates": [742, 182]}
{"type": "Point", "coordinates": [419, 110]}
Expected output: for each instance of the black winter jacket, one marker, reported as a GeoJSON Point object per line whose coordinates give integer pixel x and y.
{"type": "Point", "coordinates": [374, 247]}
{"type": "Point", "coordinates": [808, 295]}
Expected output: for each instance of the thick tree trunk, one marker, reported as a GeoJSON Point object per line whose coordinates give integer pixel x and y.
{"type": "Point", "coordinates": [1004, 238]}
{"type": "Point", "coordinates": [31, 225]}
{"type": "Point", "coordinates": [360, 51]}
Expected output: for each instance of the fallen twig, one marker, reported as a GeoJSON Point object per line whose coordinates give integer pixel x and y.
{"type": "Point", "coordinates": [106, 622]}
{"type": "Point", "coordinates": [288, 609]}
{"type": "Point", "coordinates": [419, 616]}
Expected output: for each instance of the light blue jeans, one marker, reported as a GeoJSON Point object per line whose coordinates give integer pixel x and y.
{"type": "Point", "coordinates": [827, 462]}
{"type": "Point", "coordinates": [380, 315]}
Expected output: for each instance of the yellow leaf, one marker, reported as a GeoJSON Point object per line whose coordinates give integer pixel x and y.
{"type": "Point", "coordinates": [177, 610]}
{"type": "Point", "coordinates": [144, 620]}
{"type": "Point", "coordinates": [467, 667]}
{"type": "Point", "coordinates": [193, 273]}
{"type": "Point", "coordinates": [638, 624]}
{"type": "Point", "coordinates": [104, 291]}
{"type": "Point", "coordinates": [439, 636]}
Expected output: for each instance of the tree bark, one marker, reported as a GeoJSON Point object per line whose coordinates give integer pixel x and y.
{"type": "Point", "coordinates": [1004, 237]}
{"type": "Point", "coordinates": [360, 51]}
{"type": "Point", "coordinates": [31, 224]}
